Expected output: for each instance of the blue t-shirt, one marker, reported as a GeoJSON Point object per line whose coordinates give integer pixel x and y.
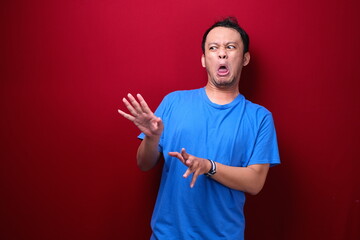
{"type": "Point", "coordinates": [237, 134]}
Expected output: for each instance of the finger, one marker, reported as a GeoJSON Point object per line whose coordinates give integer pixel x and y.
{"type": "Point", "coordinates": [143, 104]}
{"type": "Point", "coordinates": [130, 107]}
{"type": "Point", "coordinates": [177, 155]}
{"type": "Point", "coordinates": [159, 122]}
{"type": "Point", "coordinates": [194, 178]}
{"type": "Point", "coordinates": [125, 115]}
{"type": "Point", "coordinates": [174, 154]}
{"type": "Point", "coordinates": [134, 103]}
{"type": "Point", "coordinates": [187, 173]}
{"type": "Point", "coordinates": [184, 154]}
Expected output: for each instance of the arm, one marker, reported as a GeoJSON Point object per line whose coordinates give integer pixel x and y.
{"type": "Point", "coordinates": [249, 179]}
{"type": "Point", "coordinates": [152, 126]}
{"type": "Point", "coordinates": [148, 154]}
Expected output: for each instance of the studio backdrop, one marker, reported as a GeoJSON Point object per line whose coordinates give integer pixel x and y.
{"type": "Point", "coordinates": [67, 158]}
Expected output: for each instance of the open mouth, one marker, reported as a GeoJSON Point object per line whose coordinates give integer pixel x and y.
{"type": "Point", "coordinates": [223, 70]}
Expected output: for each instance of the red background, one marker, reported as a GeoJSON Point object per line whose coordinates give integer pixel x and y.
{"type": "Point", "coordinates": [67, 168]}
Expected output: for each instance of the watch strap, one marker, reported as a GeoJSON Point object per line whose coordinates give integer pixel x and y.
{"type": "Point", "coordinates": [212, 170]}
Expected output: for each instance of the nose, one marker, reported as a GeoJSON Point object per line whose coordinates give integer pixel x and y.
{"type": "Point", "coordinates": [222, 54]}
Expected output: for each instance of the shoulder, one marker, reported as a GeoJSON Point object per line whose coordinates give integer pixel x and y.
{"type": "Point", "coordinates": [256, 111]}
{"type": "Point", "coordinates": [256, 108]}
{"type": "Point", "coordinates": [182, 95]}
{"type": "Point", "coordinates": [178, 99]}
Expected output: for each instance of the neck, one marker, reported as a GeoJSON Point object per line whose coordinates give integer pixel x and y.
{"type": "Point", "coordinates": [221, 96]}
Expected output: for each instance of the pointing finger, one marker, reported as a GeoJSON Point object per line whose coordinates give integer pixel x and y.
{"type": "Point", "coordinates": [177, 155]}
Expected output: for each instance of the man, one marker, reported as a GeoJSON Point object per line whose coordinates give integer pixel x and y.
{"type": "Point", "coordinates": [222, 145]}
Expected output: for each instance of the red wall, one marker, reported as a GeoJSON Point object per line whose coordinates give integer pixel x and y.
{"type": "Point", "coordinates": [67, 159]}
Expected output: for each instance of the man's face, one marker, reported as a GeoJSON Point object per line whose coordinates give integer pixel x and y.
{"type": "Point", "coordinates": [224, 57]}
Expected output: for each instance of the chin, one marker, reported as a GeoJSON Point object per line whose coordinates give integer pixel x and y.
{"type": "Point", "coordinates": [224, 83]}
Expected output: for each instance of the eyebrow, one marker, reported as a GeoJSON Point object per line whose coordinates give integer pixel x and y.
{"type": "Point", "coordinates": [225, 44]}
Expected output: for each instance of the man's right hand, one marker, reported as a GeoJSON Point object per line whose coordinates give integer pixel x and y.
{"type": "Point", "coordinates": [142, 116]}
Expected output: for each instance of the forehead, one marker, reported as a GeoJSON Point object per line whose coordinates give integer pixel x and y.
{"type": "Point", "coordinates": [223, 34]}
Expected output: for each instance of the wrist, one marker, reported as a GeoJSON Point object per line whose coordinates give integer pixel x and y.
{"type": "Point", "coordinates": [153, 138]}
{"type": "Point", "coordinates": [212, 170]}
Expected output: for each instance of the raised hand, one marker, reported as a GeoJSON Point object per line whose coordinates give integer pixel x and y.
{"type": "Point", "coordinates": [195, 165]}
{"type": "Point", "coordinates": [142, 116]}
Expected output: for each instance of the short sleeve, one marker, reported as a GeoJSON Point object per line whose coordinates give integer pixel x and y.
{"type": "Point", "coordinates": [265, 150]}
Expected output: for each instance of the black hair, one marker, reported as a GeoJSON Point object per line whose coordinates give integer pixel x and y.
{"type": "Point", "coordinates": [229, 22]}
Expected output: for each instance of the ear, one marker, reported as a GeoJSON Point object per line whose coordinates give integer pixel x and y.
{"type": "Point", "coordinates": [203, 60]}
{"type": "Point", "coordinates": [246, 59]}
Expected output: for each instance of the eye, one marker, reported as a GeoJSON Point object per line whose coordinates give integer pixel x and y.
{"type": "Point", "coordinates": [231, 47]}
{"type": "Point", "coordinates": [212, 48]}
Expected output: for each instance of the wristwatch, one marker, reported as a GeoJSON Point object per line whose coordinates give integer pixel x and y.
{"type": "Point", "coordinates": [212, 170]}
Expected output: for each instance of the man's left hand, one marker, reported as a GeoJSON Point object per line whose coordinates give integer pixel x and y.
{"type": "Point", "coordinates": [195, 165]}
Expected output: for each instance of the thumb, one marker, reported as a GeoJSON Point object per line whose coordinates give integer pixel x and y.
{"type": "Point", "coordinates": [158, 121]}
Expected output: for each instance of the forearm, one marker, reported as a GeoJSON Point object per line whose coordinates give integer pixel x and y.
{"type": "Point", "coordinates": [148, 154]}
{"type": "Point", "coordinates": [249, 179]}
